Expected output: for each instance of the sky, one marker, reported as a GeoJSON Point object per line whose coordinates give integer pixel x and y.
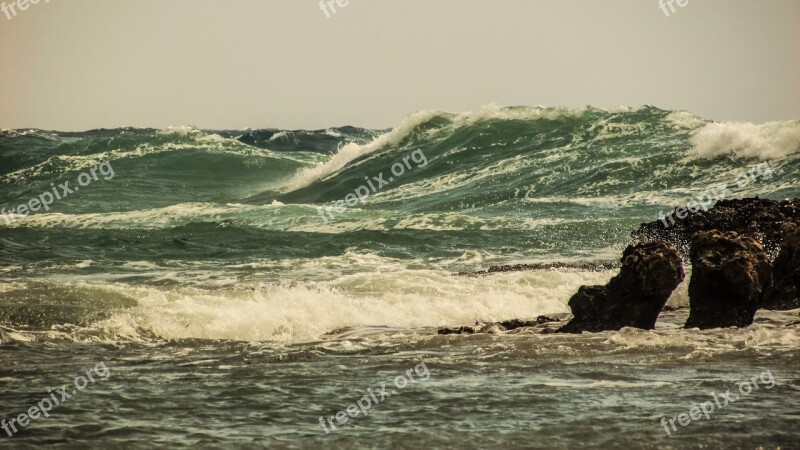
{"type": "Point", "coordinates": [232, 64]}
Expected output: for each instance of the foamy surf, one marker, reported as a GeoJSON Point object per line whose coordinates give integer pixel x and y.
{"type": "Point", "coordinates": [303, 312]}
{"type": "Point", "coordinates": [768, 141]}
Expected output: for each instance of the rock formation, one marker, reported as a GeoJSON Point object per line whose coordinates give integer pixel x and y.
{"type": "Point", "coordinates": [784, 293]}
{"type": "Point", "coordinates": [729, 245]}
{"type": "Point", "coordinates": [768, 221]}
{"type": "Point", "coordinates": [729, 275]}
{"type": "Point", "coordinates": [633, 298]}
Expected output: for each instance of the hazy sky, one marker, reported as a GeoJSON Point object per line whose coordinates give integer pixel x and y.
{"type": "Point", "coordinates": [82, 64]}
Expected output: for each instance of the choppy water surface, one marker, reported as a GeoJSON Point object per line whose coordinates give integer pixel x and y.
{"type": "Point", "coordinates": [234, 302]}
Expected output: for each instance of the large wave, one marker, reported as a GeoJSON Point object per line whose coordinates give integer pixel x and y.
{"type": "Point", "coordinates": [482, 168]}
{"type": "Point", "coordinates": [217, 234]}
{"type": "Point", "coordinates": [506, 156]}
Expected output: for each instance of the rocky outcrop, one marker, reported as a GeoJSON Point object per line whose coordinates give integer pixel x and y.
{"type": "Point", "coordinates": [768, 221]}
{"type": "Point", "coordinates": [730, 246]}
{"type": "Point", "coordinates": [729, 275]}
{"type": "Point", "coordinates": [784, 293]}
{"type": "Point", "coordinates": [633, 298]}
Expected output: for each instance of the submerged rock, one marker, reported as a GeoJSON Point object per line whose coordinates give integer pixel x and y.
{"type": "Point", "coordinates": [784, 293]}
{"type": "Point", "coordinates": [633, 298]}
{"type": "Point", "coordinates": [591, 267]}
{"type": "Point", "coordinates": [497, 327]}
{"type": "Point", "coordinates": [729, 275]}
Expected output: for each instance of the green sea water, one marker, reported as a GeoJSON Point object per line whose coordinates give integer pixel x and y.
{"type": "Point", "coordinates": [239, 285]}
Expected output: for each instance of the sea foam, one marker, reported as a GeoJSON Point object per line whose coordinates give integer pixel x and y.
{"type": "Point", "coordinates": [772, 140]}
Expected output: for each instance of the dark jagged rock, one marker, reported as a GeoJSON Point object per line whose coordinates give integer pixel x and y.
{"type": "Point", "coordinates": [459, 330]}
{"type": "Point", "coordinates": [729, 275]}
{"type": "Point", "coordinates": [633, 298]}
{"type": "Point", "coordinates": [784, 293]}
{"type": "Point", "coordinates": [593, 267]}
{"type": "Point", "coordinates": [496, 327]}
{"type": "Point", "coordinates": [509, 325]}
{"type": "Point", "coordinates": [768, 221]}
{"type": "Point", "coordinates": [726, 244]}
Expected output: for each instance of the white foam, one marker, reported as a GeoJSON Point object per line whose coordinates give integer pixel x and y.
{"type": "Point", "coordinates": [168, 216]}
{"type": "Point", "coordinates": [684, 119]}
{"type": "Point", "coordinates": [772, 140]}
{"type": "Point", "coordinates": [296, 312]}
{"type": "Point", "coordinates": [279, 135]}
{"type": "Point", "coordinates": [180, 130]}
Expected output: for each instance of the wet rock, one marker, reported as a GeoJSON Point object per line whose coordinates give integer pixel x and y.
{"type": "Point", "coordinates": [459, 330]}
{"type": "Point", "coordinates": [784, 293]}
{"type": "Point", "coordinates": [591, 267]}
{"type": "Point", "coordinates": [768, 221]}
{"type": "Point", "coordinates": [729, 275]}
{"type": "Point", "coordinates": [516, 323]}
{"type": "Point", "coordinates": [633, 298]}
{"type": "Point", "coordinates": [497, 327]}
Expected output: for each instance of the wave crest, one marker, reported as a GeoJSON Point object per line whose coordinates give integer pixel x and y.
{"type": "Point", "coordinates": [351, 151]}
{"type": "Point", "coordinates": [772, 140]}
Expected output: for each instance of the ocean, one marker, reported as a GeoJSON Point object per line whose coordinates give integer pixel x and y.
{"type": "Point", "coordinates": [244, 288]}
